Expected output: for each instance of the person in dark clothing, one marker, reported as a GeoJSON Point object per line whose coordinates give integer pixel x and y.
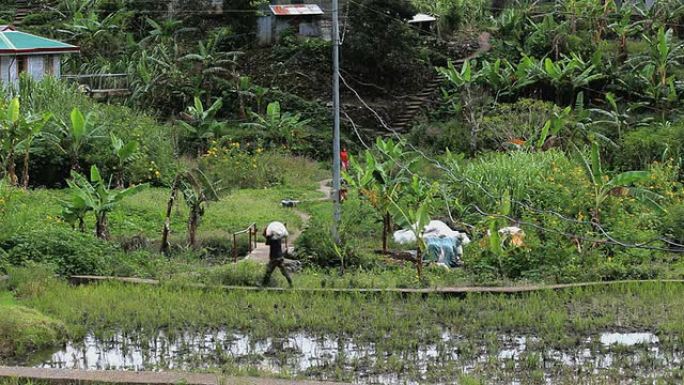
{"type": "Point", "coordinates": [276, 260]}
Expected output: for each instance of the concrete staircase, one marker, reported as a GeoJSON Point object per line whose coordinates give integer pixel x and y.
{"type": "Point", "coordinates": [415, 103]}
{"type": "Point", "coordinates": [23, 9]}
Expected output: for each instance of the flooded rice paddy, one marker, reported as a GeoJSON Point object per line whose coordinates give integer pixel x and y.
{"type": "Point", "coordinates": [508, 359]}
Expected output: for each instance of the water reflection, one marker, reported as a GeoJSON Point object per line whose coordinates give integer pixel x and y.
{"type": "Point", "coordinates": [322, 356]}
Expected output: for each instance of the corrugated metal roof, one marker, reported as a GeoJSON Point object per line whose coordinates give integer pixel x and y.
{"type": "Point", "coordinates": [296, 9]}
{"type": "Point", "coordinates": [15, 42]}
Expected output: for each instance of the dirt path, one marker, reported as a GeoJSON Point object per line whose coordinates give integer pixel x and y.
{"type": "Point", "coordinates": [63, 376]}
{"type": "Point", "coordinates": [260, 254]}
{"type": "Point", "coordinates": [455, 291]}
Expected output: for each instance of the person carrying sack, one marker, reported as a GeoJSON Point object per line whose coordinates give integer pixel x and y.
{"type": "Point", "coordinates": [274, 234]}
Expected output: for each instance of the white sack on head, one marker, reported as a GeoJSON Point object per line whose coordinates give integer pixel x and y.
{"type": "Point", "coordinates": [276, 230]}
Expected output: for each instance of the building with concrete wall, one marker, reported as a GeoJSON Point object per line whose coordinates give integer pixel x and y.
{"type": "Point", "coordinates": [302, 19]}
{"type": "Point", "coordinates": [36, 56]}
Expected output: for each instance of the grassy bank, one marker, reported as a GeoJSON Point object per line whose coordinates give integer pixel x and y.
{"type": "Point", "coordinates": [557, 318]}
{"type": "Point", "coordinates": [23, 330]}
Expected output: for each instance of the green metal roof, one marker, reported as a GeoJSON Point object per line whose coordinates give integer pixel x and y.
{"type": "Point", "coordinates": [13, 42]}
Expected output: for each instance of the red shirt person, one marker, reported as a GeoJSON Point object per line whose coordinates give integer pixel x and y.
{"type": "Point", "coordinates": [344, 158]}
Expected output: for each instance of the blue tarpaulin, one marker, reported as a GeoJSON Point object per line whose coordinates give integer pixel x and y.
{"type": "Point", "coordinates": [444, 250]}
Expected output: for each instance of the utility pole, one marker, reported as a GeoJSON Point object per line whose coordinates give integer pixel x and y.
{"type": "Point", "coordinates": [337, 210]}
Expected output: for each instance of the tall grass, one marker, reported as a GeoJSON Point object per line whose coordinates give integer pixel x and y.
{"type": "Point", "coordinates": [558, 318]}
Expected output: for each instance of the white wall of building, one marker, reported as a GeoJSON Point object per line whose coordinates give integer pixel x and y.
{"type": "Point", "coordinates": [57, 66]}
{"type": "Point", "coordinates": [36, 67]}
{"type": "Point", "coordinates": [4, 69]}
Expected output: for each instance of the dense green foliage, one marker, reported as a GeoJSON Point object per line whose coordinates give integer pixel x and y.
{"type": "Point", "coordinates": [548, 133]}
{"type": "Point", "coordinates": [568, 127]}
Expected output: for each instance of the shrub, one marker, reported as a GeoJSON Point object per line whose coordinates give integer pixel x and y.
{"type": "Point", "coordinates": [238, 167]}
{"type": "Point", "coordinates": [541, 185]}
{"type": "Point", "coordinates": [673, 224]}
{"type": "Point", "coordinates": [509, 121]}
{"type": "Point", "coordinates": [69, 251]}
{"type": "Point", "coordinates": [451, 134]}
{"type": "Point", "coordinates": [49, 166]}
{"type": "Point", "coordinates": [30, 280]}
{"type": "Point", "coordinates": [548, 180]}
{"type": "Point", "coordinates": [646, 145]}
{"type": "Point", "coordinates": [316, 247]}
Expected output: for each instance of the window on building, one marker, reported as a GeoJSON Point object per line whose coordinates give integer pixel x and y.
{"type": "Point", "coordinates": [49, 65]}
{"type": "Point", "coordinates": [22, 64]}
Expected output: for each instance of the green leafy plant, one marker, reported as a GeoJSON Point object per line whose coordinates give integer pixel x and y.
{"type": "Point", "coordinates": [603, 185]}
{"type": "Point", "coordinates": [285, 128]}
{"type": "Point", "coordinates": [96, 196]}
{"type": "Point", "coordinates": [379, 177]}
{"type": "Point", "coordinates": [124, 153]}
{"type": "Point", "coordinates": [466, 98]}
{"type": "Point", "coordinates": [212, 65]}
{"type": "Point", "coordinates": [656, 69]}
{"type": "Point", "coordinates": [73, 137]}
{"type": "Point", "coordinates": [203, 125]}
{"type": "Point", "coordinates": [412, 210]}
{"type": "Point", "coordinates": [17, 134]}
{"type": "Point", "coordinates": [568, 73]}
{"type": "Point", "coordinates": [624, 28]}
{"type": "Point", "coordinates": [197, 190]}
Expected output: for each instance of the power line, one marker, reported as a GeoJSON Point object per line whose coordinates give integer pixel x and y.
{"type": "Point", "coordinates": [608, 238]}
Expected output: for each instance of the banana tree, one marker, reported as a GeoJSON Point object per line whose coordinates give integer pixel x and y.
{"type": "Point", "coordinates": [74, 136]}
{"type": "Point", "coordinates": [568, 73]}
{"type": "Point", "coordinates": [624, 28]}
{"type": "Point", "coordinates": [203, 125]}
{"type": "Point", "coordinates": [10, 122]}
{"type": "Point", "coordinates": [552, 128]}
{"type": "Point", "coordinates": [197, 190]}
{"type": "Point", "coordinates": [17, 133]}
{"type": "Point", "coordinates": [656, 71]}
{"type": "Point", "coordinates": [284, 128]}
{"type": "Point", "coordinates": [504, 78]}
{"type": "Point", "coordinates": [244, 89]}
{"type": "Point", "coordinates": [665, 54]}
{"type": "Point", "coordinates": [76, 207]}
{"type": "Point", "coordinates": [412, 211]}
{"type": "Point", "coordinates": [211, 65]}
{"type": "Point", "coordinates": [466, 98]}
{"type": "Point", "coordinates": [615, 116]}
{"type": "Point", "coordinates": [31, 129]}
{"type": "Point", "coordinates": [124, 153]}
{"type": "Point", "coordinates": [379, 177]}
{"type": "Point", "coordinates": [164, 31]}
{"type": "Point", "coordinates": [603, 185]}
{"type": "Point", "coordinates": [96, 196]}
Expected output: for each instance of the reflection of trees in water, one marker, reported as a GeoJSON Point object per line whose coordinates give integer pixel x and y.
{"type": "Point", "coordinates": [499, 358]}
